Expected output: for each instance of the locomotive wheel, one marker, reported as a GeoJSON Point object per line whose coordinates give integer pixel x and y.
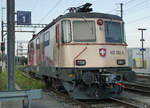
{"type": "Point", "coordinates": [48, 81]}
{"type": "Point", "coordinates": [56, 84]}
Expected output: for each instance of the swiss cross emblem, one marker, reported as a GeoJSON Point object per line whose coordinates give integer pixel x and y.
{"type": "Point", "coordinates": [102, 52]}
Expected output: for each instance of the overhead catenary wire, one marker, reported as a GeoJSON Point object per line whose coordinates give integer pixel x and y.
{"type": "Point", "coordinates": [143, 18]}
{"type": "Point", "coordinates": [35, 5]}
{"type": "Point", "coordinates": [143, 8]}
{"type": "Point", "coordinates": [112, 10]}
{"type": "Point", "coordinates": [53, 8]}
{"type": "Point", "coordinates": [137, 4]}
{"type": "Point", "coordinates": [140, 9]}
{"type": "Point", "coordinates": [128, 2]}
{"type": "Point", "coordinates": [137, 12]}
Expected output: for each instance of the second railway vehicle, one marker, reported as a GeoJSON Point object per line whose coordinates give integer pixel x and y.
{"type": "Point", "coordinates": [84, 52]}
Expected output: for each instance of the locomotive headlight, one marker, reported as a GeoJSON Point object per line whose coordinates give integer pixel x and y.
{"type": "Point", "coordinates": [121, 62]}
{"type": "Point", "coordinates": [80, 62]}
{"type": "Point", "coordinates": [107, 79]}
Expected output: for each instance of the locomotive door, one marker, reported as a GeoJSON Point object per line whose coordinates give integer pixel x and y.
{"type": "Point", "coordinates": [58, 44]}
{"type": "Point", "coordinates": [31, 54]}
{"type": "Point", "coordinates": [38, 51]}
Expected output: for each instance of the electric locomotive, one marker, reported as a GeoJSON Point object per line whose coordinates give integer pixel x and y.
{"type": "Point", "coordinates": [84, 52]}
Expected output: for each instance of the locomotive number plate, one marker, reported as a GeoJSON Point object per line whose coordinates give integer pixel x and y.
{"type": "Point", "coordinates": [116, 52]}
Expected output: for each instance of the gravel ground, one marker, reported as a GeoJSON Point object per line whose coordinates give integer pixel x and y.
{"type": "Point", "coordinates": [47, 102]}
{"type": "Point", "coordinates": [50, 100]}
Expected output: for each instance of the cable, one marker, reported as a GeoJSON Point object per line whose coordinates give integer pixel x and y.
{"type": "Point", "coordinates": [126, 3]}
{"type": "Point", "coordinates": [115, 9]}
{"type": "Point", "coordinates": [146, 17]}
{"type": "Point", "coordinates": [141, 9]}
{"type": "Point", "coordinates": [112, 10]}
{"type": "Point", "coordinates": [57, 3]}
{"type": "Point", "coordinates": [130, 1]}
{"type": "Point", "coordinates": [34, 7]}
{"type": "Point", "coordinates": [137, 4]}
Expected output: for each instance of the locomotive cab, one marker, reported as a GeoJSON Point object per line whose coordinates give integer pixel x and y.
{"type": "Point", "coordinates": [93, 43]}
{"type": "Point", "coordinates": [94, 53]}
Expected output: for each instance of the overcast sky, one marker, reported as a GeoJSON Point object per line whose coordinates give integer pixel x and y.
{"type": "Point", "coordinates": [136, 14]}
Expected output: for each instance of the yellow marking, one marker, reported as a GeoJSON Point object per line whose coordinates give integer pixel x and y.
{"type": "Point", "coordinates": [70, 75]}
{"type": "Point", "coordinates": [111, 86]}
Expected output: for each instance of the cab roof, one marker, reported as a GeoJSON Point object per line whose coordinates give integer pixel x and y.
{"type": "Point", "coordinates": [80, 15]}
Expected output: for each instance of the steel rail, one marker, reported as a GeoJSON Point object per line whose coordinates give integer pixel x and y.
{"type": "Point", "coordinates": [125, 103]}
{"type": "Point", "coordinates": [82, 104]}
{"type": "Point", "coordinates": [143, 76]}
{"type": "Point", "coordinates": [137, 88]}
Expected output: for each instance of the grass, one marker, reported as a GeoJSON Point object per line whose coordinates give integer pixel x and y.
{"type": "Point", "coordinates": [3, 81]}
{"type": "Point", "coordinates": [24, 82]}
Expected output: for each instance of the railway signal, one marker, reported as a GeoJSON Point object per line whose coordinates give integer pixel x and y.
{"type": "Point", "coordinates": [2, 46]}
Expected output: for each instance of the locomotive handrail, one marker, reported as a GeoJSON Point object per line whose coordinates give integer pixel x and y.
{"type": "Point", "coordinates": [95, 44]}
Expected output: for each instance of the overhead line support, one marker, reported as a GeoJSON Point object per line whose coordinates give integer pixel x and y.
{"type": "Point", "coordinates": [142, 50]}
{"type": "Point", "coordinates": [10, 45]}
{"type": "Point", "coordinates": [121, 10]}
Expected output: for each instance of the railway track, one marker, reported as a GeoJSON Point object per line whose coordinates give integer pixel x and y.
{"type": "Point", "coordinates": [130, 103]}
{"type": "Point", "coordinates": [68, 101]}
{"type": "Point", "coordinates": [143, 76]}
{"type": "Point", "coordinates": [119, 102]}
{"type": "Point", "coordinates": [137, 87]}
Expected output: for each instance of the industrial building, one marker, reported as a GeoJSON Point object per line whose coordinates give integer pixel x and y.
{"type": "Point", "coordinates": [136, 62]}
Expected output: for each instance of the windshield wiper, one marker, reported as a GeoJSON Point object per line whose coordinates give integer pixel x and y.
{"type": "Point", "coordinates": [90, 28]}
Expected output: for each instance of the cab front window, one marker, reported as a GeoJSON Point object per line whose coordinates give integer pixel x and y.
{"type": "Point", "coordinates": [84, 31]}
{"type": "Point", "coordinates": [66, 31]}
{"type": "Point", "coordinates": [112, 32]}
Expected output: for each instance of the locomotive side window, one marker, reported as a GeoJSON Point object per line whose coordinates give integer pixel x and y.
{"type": "Point", "coordinates": [46, 38]}
{"type": "Point", "coordinates": [124, 33]}
{"type": "Point", "coordinates": [113, 32]}
{"type": "Point", "coordinates": [66, 31]}
{"type": "Point", "coordinates": [38, 43]}
{"type": "Point", "coordinates": [84, 31]}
